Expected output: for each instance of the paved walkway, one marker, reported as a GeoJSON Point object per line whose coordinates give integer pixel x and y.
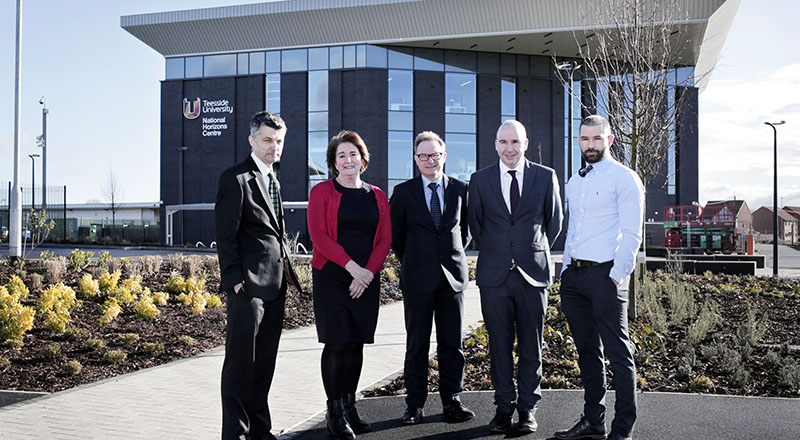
{"type": "Point", "coordinates": [181, 400]}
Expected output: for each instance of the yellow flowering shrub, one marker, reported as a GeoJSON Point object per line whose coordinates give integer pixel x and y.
{"type": "Point", "coordinates": [16, 288]}
{"type": "Point", "coordinates": [55, 305]}
{"type": "Point", "coordinates": [145, 307]}
{"type": "Point", "coordinates": [160, 298]}
{"type": "Point", "coordinates": [88, 287]}
{"type": "Point", "coordinates": [15, 319]}
{"type": "Point", "coordinates": [108, 281]}
{"type": "Point", "coordinates": [109, 311]}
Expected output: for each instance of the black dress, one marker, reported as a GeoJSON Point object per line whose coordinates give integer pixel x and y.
{"type": "Point", "coordinates": [341, 319]}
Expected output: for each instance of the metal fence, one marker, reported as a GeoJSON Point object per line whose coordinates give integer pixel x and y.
{"type": "Point", "coordinates": [56, 209]}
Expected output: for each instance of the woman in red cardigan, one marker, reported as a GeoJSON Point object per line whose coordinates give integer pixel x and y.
{"type": "Point", "coordinates": [348, 220]}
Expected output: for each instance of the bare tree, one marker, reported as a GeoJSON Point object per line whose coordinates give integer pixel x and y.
{"type": "Point", "coordinates": [630, 64]}
{"type": "Point", "coordinates": [113, 195]}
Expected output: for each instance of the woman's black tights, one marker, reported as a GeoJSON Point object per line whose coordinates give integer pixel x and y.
{"type": "Point", "coordinates": [341, 368]}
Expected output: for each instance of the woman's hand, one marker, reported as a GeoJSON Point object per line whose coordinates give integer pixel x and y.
{"type": "Point", "coordinates": [357, 289]}
{"type": "Point", "coordinates": [364, 276]}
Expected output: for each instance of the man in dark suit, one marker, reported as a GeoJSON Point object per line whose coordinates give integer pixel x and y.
{"type": "Point", "coordinates": [254, 271]}
{"type": "Point", "coordinates": [515, 215]}
{"type": "Point", "coordinates": [429, 233]}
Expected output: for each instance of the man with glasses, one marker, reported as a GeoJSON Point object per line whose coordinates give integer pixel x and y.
{"type": "Point", "coordinates": [514, 217]}
{"type": "Point", "coordinates": [606, 208]}
{"type": "Point", "coordinates": [429, 233]}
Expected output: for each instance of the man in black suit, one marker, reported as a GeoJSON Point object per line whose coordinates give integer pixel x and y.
{"type": "Point", "coordinates": [515, 215]}
{"type": "Point", "coordinates": [254, 271]}
{"type": "Point", "coordinates": [429, 233]}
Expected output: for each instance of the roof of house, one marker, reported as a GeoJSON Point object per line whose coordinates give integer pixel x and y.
{"type": "Point", "coordinates": [785, 215]}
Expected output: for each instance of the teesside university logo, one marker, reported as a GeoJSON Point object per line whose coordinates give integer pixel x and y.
{"type": "Point", "coordinates": [191, 110]}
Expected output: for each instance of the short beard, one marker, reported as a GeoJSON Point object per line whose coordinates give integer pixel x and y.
{"type": "Point", "coordinates": [594, 158]}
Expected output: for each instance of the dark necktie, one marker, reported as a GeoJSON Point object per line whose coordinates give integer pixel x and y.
{"type": "Point", "coordinates": [584, 171]}
{"type": "Point", "coordinates": [274, 195]}
{"type": "Point", "coordinates": [514, 196]}
{"type": "Point", "coordinates": [436, 210]}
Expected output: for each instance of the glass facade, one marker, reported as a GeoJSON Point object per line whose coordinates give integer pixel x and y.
{"type": "Point", "coordinates": [317, 126]}
{"type": "Point", "coordinates": [273, 90]}
{"type": "Point", "coordinates": [572, 153]}
{"type": "Point", "coordinates": [460, 108]}
{"type": "Point", "coordinates": [508, 99]}
{"type": "Point", "coordinates": [401, 121]}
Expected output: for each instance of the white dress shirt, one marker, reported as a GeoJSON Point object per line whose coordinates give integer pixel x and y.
{"type": "Point", "coordinates": [606, 209]}
{"type": "Point", "coordinates": [265, 171]}
{"type": "Point", "coordinates": [439, 191]}
{"type": "Point", "coordinates": [505, 180]}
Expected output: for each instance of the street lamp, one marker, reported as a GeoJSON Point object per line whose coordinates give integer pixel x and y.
{"type": "Point", "coordinates": [42, 142]}
{"type": "Point", "coordinates": [571, 67]}
{"type": "Point", "coordinates": [33, 180]}
{"type": "Point", "coordinates": [775, 200]}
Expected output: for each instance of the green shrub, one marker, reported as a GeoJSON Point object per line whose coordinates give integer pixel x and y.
{"type": "Point", "coordinates": [4, 363]}
{"type": "Point", "coordinates": [76, 333]}
{"type": "Point", "coordinates": [790, 374]}
{"type": "Point", "coordinates": [72, 368]}
{"type": "Point", "coordinates": [79, 259]}
{"type": "Point", "coordinates": [772, 359]}
{"type": "Point", "coordinates": [115, 356]}
{"type": "Point", "coordinates": [15, 319]}
{"type": "Point", "coordinates": [160, 298]}
{"type": "Point", "coordinates": [50, 352]}
{"type": "Point", "coordinates": [128, 338]}
{"type": "Point", "coordinates": [701, 384]}
{"type": "Point", "coordinates": [36, 281]}
{"type": "Point", "coordinates": [153, 349]}
{"type": "Point", "coordinates": [95, 344]}
{"type": "Point", "coordinates": [103, 258]}
{"type": "Point", "coordinates": [186, 340]}
{"type": "Point", "coordinates": [55, 269]}
{"type": "Point", "coordinates": [46, 255]}
{"type": "Point", "coordinates": [55, 305]}
{"type": "Point", "coordinates": [704, 323]}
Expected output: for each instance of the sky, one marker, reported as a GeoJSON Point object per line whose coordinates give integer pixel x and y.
{"type": "Point", "coordinates": [102, 89]}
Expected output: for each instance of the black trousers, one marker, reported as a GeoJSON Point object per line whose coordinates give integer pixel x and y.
{"type": "Point", "coordinates": [251, 346]}
{"type": "Point", "coordinates": [446, 308]}
{"type": "Point", "coordinates": [515, 309]}
{"type": "Point", "coordinates": [597, 313]}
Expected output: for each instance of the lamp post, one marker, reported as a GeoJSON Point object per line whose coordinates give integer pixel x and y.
{"type": "Point", "coordinates": [15, 208]}
{"type": "Point", "coordinates": [33, 180]}
{"type": "Point", "coordinates": [42, 142]}
{"type": "Point", "coordinates": [775, 199]}
{"type": "Point", "coordinates": [569, 66]}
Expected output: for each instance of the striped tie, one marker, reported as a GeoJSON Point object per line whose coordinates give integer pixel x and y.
{"type": "Point", "coordinates": [436, 210]}
{"type": "Point", "coordinates": [274, 195]}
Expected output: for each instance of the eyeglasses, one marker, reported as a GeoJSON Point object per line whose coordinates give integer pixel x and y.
{"type": "Point", "coordinates": [424, 157]}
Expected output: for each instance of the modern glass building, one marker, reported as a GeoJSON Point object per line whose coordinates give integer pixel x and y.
{"type": "Point", "coordinates": [389, 69]}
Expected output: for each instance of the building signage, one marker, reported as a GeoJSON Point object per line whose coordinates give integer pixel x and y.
{"type": "Point", "coordinates": [215, 114]}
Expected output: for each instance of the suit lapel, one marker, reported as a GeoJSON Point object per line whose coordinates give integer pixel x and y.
{"type": "Point", "coordinates": [494, 184]}
{"type": "Point", "coordinates": [418, 195]}
{"type": "Point", "coordinates": [527, 185]}
{"type": "Point", "coordinates": [256, 175]}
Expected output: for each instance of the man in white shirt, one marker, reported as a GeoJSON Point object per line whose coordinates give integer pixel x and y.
{"type": "Point", "coordinates": [514, 217]}
{"type": "Point", "coordinates": [605, 202]}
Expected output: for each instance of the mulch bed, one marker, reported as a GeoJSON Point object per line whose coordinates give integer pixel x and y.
{"type": "Point", "coordinates": [28, 369]}
{"type": "Point", "coordinates": [665, 362]}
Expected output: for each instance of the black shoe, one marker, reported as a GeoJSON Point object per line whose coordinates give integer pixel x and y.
{"type": "Point", "coordinates": [456, 412]}
{"type": "Point", "coordinates": [337, 425]}
{"type": "Point", "coordinates": [501, 423]}
{"type": "Point", "coordinates": [358, 424]}
{"type": "Point", "coordinates": [527, 422]}
{"type": "Point", "coordinates": [413, 416]}
{"type": "Point", "coordinates": [582, 430]}
{"type": "Point", "coordinates": [614, 436]}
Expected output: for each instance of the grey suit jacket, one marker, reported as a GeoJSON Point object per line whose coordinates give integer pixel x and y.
{"type": "Point", "coordinates": [250, 235]}
{"type": "Point", "coordinates": [527, 236]}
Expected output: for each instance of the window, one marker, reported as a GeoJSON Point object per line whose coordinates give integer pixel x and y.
{"type": "Point", "coordinates": [572, 150]}
{"type": "Point", "coordinates": [257, 62]}
{"type": "Point", "coordinates": [508, 99]}
{"type": "Point", "coordinates": [273, 61]}
{"type": "Point", "coordinates": [376, 56]}
{"type": "Point", "coordinates": [174, 68]}
{"type": "Point", "coordinates": [194, 67]}
{"type": "Point", "coordinates": [318, 58]}
{"type": "Point", "coordinates": [428, 59]}
{"type": "Point", "coordinates": [273, 89]}
{"type": "Point", "coordinates": [401, 124]}
{"type": "Point", "coordinates": [336, 57]}
{"type": "Point", "coordinates": [460, 124]}
{"type": "Point", "coordinates": [242, 64]}
{"type": "Point", "coordinates": [218, 65]}
{"type": "Point", "coordinates": [294, 60]}
{"type": "Point", "coordinates": [317, 127]}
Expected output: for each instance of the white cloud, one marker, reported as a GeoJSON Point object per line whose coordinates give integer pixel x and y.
{"type": "Point", "coordinates": [736, 148]}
